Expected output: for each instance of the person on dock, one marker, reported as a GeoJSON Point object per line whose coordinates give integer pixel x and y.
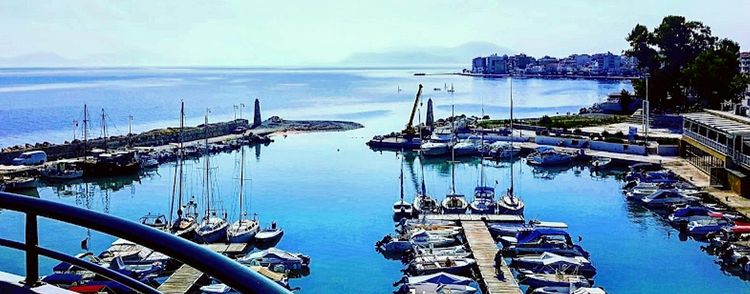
{"type": "Point", "coordinates": [499, 265]}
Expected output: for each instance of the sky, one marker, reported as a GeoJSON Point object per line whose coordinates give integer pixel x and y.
{"type": "Point", "coordinates": [325, 32]}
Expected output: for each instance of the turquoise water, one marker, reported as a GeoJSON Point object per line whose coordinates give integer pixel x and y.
{"type": "Point", "coordinates": [329, 191]}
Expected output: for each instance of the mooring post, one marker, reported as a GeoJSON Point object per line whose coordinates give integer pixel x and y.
{"type": "Point", "coordinates": [32, 252]}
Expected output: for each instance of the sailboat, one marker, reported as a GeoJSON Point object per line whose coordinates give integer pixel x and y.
{"type": "Point", "coordinates": [484, 196]}
{"type": "Point", "coordinates": [510, 204]}
{"type": "Point", "coordinates": [402, 208]}
{"type": "Point", "coordinates": [244, 229]}
{"type": "Point", "coordinates": [454, 203]}
{"type": "Point", "coordinates": [212, 227]}
{"type": "Point", "coordinates": [424, 203]}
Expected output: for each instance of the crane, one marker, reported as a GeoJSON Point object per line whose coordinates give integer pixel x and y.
{"type": "Point", "coordinates": [410, 131]}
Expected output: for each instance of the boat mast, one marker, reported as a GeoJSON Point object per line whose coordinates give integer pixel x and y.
{"type": "Point", "coordinates": [206, 183]}
{"type": "Point", "coordinates": [85, 128]}
{"type": "Point", "coordinates": [421, 165]}
{"type": "Point", "coordinates": [510, 191]}
{"type": "Point", "coordinates": [453, 144]}
{"type": "Point", "coordinates": [180, 154]}
{"type": "Point", "coordinates": [401, 178]}
{"type": "Point", "coordinates": [104, 129]}
{"type": "Point", "coordinates": [481, 150]}
{"type": "Point", "coordinates": [242, 181]}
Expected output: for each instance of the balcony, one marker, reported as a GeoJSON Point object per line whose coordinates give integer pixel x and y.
{"type": "Point", "coordinates": [721, 148]}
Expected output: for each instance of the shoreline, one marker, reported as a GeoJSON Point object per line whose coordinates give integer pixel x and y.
{"type": "Point", "coordinates": [547, 77]}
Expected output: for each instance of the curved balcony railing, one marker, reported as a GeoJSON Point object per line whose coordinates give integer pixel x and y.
{"type": "Point", "coordinates": [216, 265]}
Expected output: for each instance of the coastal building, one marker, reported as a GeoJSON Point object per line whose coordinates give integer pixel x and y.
{"type": "Point", "coordinates": [606, 63]}
{"type": "Point", "coordinates": [497, 64]}
{"type": "Point", "coordinates": [718, 143]}
{"type": "Point", "coordinates": [479, 65]}
{"type": "Point", "coordinates": [745, 62]}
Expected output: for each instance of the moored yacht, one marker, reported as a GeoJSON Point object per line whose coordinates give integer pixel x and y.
{"type": "Point", "coordinates": [244, 229]}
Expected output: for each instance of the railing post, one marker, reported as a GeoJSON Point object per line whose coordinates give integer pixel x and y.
{"type": "Point", "coordinates": [32, 252]}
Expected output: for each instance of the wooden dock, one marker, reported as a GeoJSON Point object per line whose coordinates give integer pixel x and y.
{"type": "Point", "coordinates": [484, 249]}
{"type": "Point", "coordinates": [231, 249]}
{"type": "Point", "coordinates": [476, 217]}
{"type": "Point", "coordinates": [185, 279]}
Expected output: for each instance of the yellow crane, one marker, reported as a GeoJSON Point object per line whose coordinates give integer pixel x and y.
{"type": "Point", "coordinates": [410, 131]}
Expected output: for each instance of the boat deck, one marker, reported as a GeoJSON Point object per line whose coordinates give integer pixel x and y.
{"type": "Point", "coordinates": [476, 217]}
{"type": "Point", "coordinates": [484, 249]}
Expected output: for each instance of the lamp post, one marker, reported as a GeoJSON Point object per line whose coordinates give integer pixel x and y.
{"type": "Point", "coordinates": [646, 112]}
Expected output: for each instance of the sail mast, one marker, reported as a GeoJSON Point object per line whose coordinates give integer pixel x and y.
{"type": "Point", "coordinates": [242, 180]}
{"type": "Point", "coordinates": [104, 130]}
{"type": "Point", "coordinates": [511, 137]}
{"type": "Point", "coordinates": [206, 183]}
{"type": "Point", "coordinates": [401, 178]}
{"type": "Point", "coordinates": [453, 144]}
{"type": "Point", "coordinates": [180, 159]}
{"type": "Point", "coordinates": [85, 128]}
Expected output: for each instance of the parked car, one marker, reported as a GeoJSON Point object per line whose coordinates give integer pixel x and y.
{"type": "Point", "coordinates": [30, 158]}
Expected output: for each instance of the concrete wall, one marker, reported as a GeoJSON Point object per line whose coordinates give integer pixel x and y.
{"type": "Point", "coordinates": [564, 142]}
{"type": "Point", "coordinates": [668, 150]}
{"type": "Point", "coordinates": [616, 147]}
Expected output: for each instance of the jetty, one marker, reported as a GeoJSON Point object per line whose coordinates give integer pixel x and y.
{"type": "Point", "coordinates": [484, 249]}
{"type": "Point", "coordinates": [186, 278]}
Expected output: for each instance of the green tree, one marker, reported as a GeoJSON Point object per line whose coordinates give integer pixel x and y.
{"type": "Point", "coordinates": [625, 101]}
{"type": "Point", "coordinates": [678, 55]}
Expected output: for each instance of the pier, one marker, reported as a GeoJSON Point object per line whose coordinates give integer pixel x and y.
{"type": "Point", "coordinates": [484, 248]}
{"type": "Point", "coordinates": [185, 279]}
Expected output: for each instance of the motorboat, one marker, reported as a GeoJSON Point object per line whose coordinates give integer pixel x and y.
{"type": "Point", "coordinates": [156, 221]}
{"type": "Point", "coordinates": [540, 240]}
{"type": "Point", "coordinates": [452, 251]}
{"type": "Point", "coordinates": [18, 183]}
{"type": "Point", "coordinates": [437, 278]}
{"type": "Point", "coordinates": [435, 265]}
{"type": "Point", "coordinates": [599, 163]}
{"type": "Point", "coordinates": [212, 229]}
{"type": "Point", "coordinates": [637, 194]}
{"type": "Point", "coordinates": [63, 170]}
{"type": "Point", "coordinates": [511, 229]}
{"type": "Point", "coordinates": [454, 204]}
{"type": "Point", "coordinates": [653, 177]}
{"type": "Point", "coordinates": [215, 288]}
{"type": "Point", "coordinates": [535, 280]}
{"type": "Point", "coordinates": [435, 148]}
{"type": "Point", "coordinates": [466, 147]}
{"type": "Point", "coordinates": [425, 239]}
{"type": "Point", "coordinates": [504, 151]}
{"type": "Point", "coordinates": [568, 290]}
{"type": "Point", "coordinates": [394, 245]}
{"type": "Point", "coordinates": [665, 198]}
{"type": "Point", "coordinates": [269, 235]}
{"type": "Point", "coordinates": [548, 156]}
{"type": "Point", "coordinates": [273, 257]}
{"type": "Point", "coordinates": [484, 200]}
{"type": "Point", "coordinates": [551, 263]}
{"type": "Point", "coordinates": [687, 214]}
{"type": "Point", "coordinates": [703, 227]}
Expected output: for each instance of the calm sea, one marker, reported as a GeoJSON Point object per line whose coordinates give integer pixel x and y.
{"type": "Point", "coordinates": [329, 191]}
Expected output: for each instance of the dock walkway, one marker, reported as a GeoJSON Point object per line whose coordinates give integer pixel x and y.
{"type": "Point", "coordinates": [617, 156]}
{"type": "Point", "coordinates": [185, 279]}
{"type": "Point", "coordinates": [476, 217]}
{"type": "Point", "coordinates": [484, 249]}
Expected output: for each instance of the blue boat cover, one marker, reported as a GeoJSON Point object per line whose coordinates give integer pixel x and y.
{"type": "Point", "coordinates": [691, 211]}
{"type": "Point", "coordinates": [531, 235]}
{"type": "Point", "coordinates": [484, 189]}
{"type": "Point", "coordinates": [62, 279]}
{"type": "Point", "coordinates": [442, 279]}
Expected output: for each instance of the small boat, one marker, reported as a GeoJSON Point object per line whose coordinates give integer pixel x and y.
{"type": "Point", "coordinates": [402, 208]}
{"type": "Point", "coordinates": [274, 257]}
{"type": "Point", "coordinates": [438, 278]}
{"type": "Point", "coordinates": [599, 163]}
{"type": "Point", "coordinates": [511, 229]}
{"type": "Point", "coordinates": [503, 151]}
{"type": "Point", "coordinates": [452, 251]}
{"type": "Point", "coordinates": [435, 148]}
{"type": "Point", "coordinates": [269, 235]}
{"type": "Point", "coordinates": [436, 265]}
{"type": "Point", "coordinates": [703, 227]}
{"type": "Point", "coordinates": [535, 280]}
{"type": "Point", "coordinates": [244, 229]}
{"type": "Point", "coordinates": [568, 290]}
{"type": "Point", "coordinates": [156, 221]}
{"type": "Point", "coordinates": [212, 229]}
{"type": "Point", "coordinates": [454, 204]}
{"type": "Point", "coordinates": [510, 204]}
{"type": "Point", "coordinates": [665, 198]}
{"type": "Point", "coordinates": [548, 156]}
{"type": "Point", "coordinates": [216, 288]}
{"type": "Point", "coordinates": [18, 183]}
{"type": "Point", "coordinates": [466, 147]}
{"type": "Point", "coordinates": [551, 263]}
{"type": "Point", "coordinates": [540, 240]}
{"type": "Point", "coordinates": [423, 202]}
{"type": "Point", "coordinates": [63, 170]}
{"type": "Point", "coordinates": [425, 239]}
{"type": "Point", "coordinates": [687, 214]}
{"type": "Point", "coordinates": [484, 196]}
{"type": "Point", "coordinates": [394, 245]}
{"type": "Point", "coordinates": [432, 288]}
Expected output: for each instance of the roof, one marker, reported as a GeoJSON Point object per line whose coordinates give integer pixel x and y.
{"type": "Point", "coordinates": [722, 121]}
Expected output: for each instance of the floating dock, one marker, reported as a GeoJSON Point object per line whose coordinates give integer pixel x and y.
{"type": "Point", "coordinates": [484, 249]}
{"type": "Point", "coordinates": [186, 278]}
{"type": "Point", "coordinates": [505, 218]}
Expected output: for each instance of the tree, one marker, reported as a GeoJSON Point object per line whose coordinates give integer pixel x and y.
{"type": "Point", "coordinates": [679, 55]}
{"type": "Point", "coordinates": [625, 101]}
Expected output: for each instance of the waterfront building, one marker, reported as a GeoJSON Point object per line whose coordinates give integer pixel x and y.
{"type": "Point", "coordinates": [606, 63]}
{"type": "Point", "coordinates": [745, 62]}
{"type": "Point", "coordinates": [479, 65]}
{"type": "Point", "coordinates": [497, 64]}
{"type": "Point", "coordinates": [718, 144]}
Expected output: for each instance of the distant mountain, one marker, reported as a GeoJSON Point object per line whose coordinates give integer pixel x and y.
{"type": "Point", "coordinates": [427, 55]}
{"type": "Point", "coordinates": [37, 59]}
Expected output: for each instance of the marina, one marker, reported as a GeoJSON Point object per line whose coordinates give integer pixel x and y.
{"type": "Point", "coordinates": [292, 195]}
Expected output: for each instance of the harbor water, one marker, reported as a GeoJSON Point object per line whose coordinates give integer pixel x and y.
{"type": "Point", "coordinates": [329, 191]}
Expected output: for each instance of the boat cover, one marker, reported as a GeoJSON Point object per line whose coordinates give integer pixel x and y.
{"type": "Point", "coordinates": [531, 235]}
{"type": "Point", "coordinates": [441, 278]}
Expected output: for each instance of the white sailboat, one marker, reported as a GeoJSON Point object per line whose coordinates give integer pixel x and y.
{"type": "Point", "coordinates": [244, 229]}
{"type": "Point", "coordinates": [510, 204]}
{"type": "Point", "coordinates": [402, 208]}
{"type": "Point", "coordinates": [424, 203]}
{"type": "Point", "coordinates": [213, 227]}
{"type": "Point", "coordinates": [454, 203]}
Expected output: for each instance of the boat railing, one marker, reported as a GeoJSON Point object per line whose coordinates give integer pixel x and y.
{"type": "Point", "coordinates": [706, 141]}
{"type": "Point", "coordinates": [220, 267]}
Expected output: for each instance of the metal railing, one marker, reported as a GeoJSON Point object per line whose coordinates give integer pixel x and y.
{"type": "Point", "coordinates": [215, 265]}
{"type": "Point", "coordinates": [706, 141]}
{"type": "Point", "coordinates": [742, 158]}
